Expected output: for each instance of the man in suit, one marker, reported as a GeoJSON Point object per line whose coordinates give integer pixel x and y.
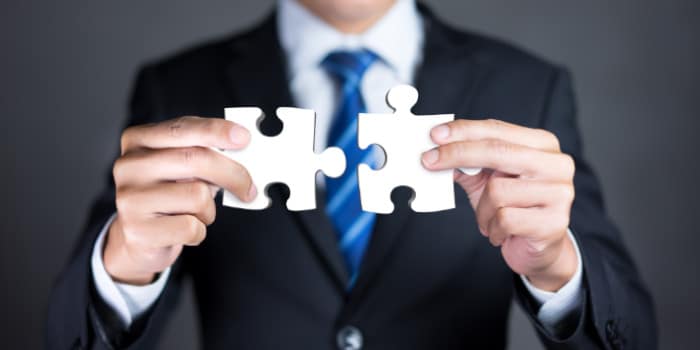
{"type": "Point", "coordinates": [338, 277]}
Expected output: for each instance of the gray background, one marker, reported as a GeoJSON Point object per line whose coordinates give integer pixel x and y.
{"type": "Point", "coordinates": [66, 67]}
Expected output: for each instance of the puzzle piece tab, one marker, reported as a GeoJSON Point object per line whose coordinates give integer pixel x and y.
{"type": "Point", "coordinates": [286, 158]}
{"type": "Point", "coordinates": [404, 137]}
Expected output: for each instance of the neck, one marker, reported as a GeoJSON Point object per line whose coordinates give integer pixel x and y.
{"type": "Point", "coordinates": [348, 23]}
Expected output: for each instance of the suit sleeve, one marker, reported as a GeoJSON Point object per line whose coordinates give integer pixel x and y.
{"type": "Point", "coordinates": [77, 317]}
{"type": "Point", "coordinates": [617, 309]}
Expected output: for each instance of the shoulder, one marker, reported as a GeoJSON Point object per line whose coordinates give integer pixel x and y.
{"type": "Point", "coordinates": [525, 81]}
{"type": "Point", "coordinates": [207, 59]}
{"type": "Point", "coordinates": [495, 53]}
{"type": "Point", "coordinates": [195, 80]}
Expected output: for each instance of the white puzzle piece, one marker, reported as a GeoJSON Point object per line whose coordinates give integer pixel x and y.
{"type": "Point", "coordinates": [404, 137]}
{"type": "Point", "coordinates": [287, 158]}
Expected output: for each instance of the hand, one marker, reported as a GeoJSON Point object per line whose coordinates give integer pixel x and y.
{"type": "Point", "coordinates": [166, 180]}
{"type": "Point", "coordinates": [523, 201]}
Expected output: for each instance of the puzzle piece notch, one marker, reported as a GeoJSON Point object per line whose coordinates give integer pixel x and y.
{"type": "Point", "coordinates": [286, 158]}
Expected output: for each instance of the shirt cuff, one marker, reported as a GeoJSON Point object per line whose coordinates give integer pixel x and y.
{"type": "Point", "coordinates": [555, 306]}
{"type": "Point", "coordinates": [128, 301]}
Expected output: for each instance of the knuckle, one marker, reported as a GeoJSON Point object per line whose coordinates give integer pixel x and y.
{"type": "Point", "coordinates": [188, 155]}
{"type": "Point", "coordinates": [195, 230]}
{"type": "Point", "coordinates": [191, 155]}
{"type": "Point", "coordinates": [199, 192]}
{"type": "Point", "coordinates": [566, 192]}
{"type": "Point", "coordinates": [500, 218]}
{"type": "Point", "coordinates": [495, 189]}
{"type": "Point", "coordinates": [452, 151]}
{"type": "Point", "coordinates": [566, 222]}
{"type": "Point", "coordinates": [192, 225]}
{"type": "Point", "coordinates": [569, 165]}
{"type": "Point", "coordinates": [502, 149]}
{"type": "Point", "coordinates": [124, 201]}
{"type": "Point", "coordinates": [125, 139]}
{"type": "Point", "coordinates": [460, 125]}
{"type": "Point", "coordinates": [483, 222]}
{"type": "Point", "coordinates": [176, 127]}
{"type": "Point", "coordinates": [504, 220]}
{"type": "Point", "coordinates": [118, 169]}
{"type": "Point", "coordinates": [482, 129]}
{"type": "Point", "coordinates": [496, 235]}
{"type": "Point", "coordinates": [493, 227]}
{"type": "Point", "coordinates": [551, 139]}
{"type": "Point", "coordinates": [562, 221]}
{"type": "Point", "coordinates": [473, 129]}
{"type": "Point", "coordinates": [558, 223]}
{"type": "Point", "coordinates": [125, 169]}
{"type": "Point", "coordinates": [200, 235]}
{"type": "Point", "coordinates": [212, 126]}
{"type": "Point", "coordinates": [210, 214]}
{"type": "Point", "coordinates": [492, 122]}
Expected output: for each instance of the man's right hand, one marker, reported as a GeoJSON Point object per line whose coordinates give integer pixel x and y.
{"type": "Point", "coordinates": [166, 179]}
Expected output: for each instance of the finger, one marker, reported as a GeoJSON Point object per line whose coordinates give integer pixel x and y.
{"type": "Point", "coordinates": [537, 224]}
{"type": "Point", "coordinates": [213, 189]}
{"type": "Point", "coordinates": [474, 130]}
{"type": "Point", "coordinates": [169, 198]}
{"type": "Point", "coordinates": [186, 132]}
{"type": "Point", "coordinates": [499, 155]}
{"type": "Point", "coordinates": [146, 167]}
{"type": "Point", "coordinates": [165, 231]}
{"type": "Point", "coordinates": [473, 185]}
{"type": "Point", "coordinates": [500, 192]}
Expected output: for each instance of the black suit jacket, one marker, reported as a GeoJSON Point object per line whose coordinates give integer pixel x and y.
{"type": "Point", "coordinates": [275, 279]}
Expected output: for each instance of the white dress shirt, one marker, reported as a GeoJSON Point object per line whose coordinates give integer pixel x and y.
{"type": "Point", "coordinates": [306, 40]}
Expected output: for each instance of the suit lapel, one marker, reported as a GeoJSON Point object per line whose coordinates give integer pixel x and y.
{"type": "Point", "coordinates": [257, 77]}
{"type": "Point", "coordinates": [446, 81]}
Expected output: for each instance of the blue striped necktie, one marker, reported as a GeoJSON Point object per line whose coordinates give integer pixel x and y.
{"type": "Point", "coordinates": [352, 225]}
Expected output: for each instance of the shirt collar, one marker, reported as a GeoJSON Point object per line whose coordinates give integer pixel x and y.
{"type": "Point", "coordinates": [306, 39]}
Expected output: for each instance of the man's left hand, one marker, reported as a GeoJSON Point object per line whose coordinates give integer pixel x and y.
{"type": "Point", "coordinates": [522, 199]}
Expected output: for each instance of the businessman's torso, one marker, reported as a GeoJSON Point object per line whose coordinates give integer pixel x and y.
{"type": "Point", "coordinates": [274, 278]}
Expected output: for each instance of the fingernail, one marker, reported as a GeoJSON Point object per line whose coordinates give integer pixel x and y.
{"type": "Point", "coordinates": [430, 157]}
{"type": "Point", "coordinates": [239, 135]}
{"type": "Point", "coordinates": [252, 192]}
{"type": "Point", "coordinates": [441, 132]}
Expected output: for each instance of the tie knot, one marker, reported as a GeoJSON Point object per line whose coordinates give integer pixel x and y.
{"type": "Point", "coordinates": [349, 66]}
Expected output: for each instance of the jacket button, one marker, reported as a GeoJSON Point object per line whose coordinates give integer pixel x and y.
{"type": "Point", "coordinates": [613, 335]}
{"type": "Point", "coordinates": [349, 338]}
{"type": "Point", "coordinates": [610, 331]}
